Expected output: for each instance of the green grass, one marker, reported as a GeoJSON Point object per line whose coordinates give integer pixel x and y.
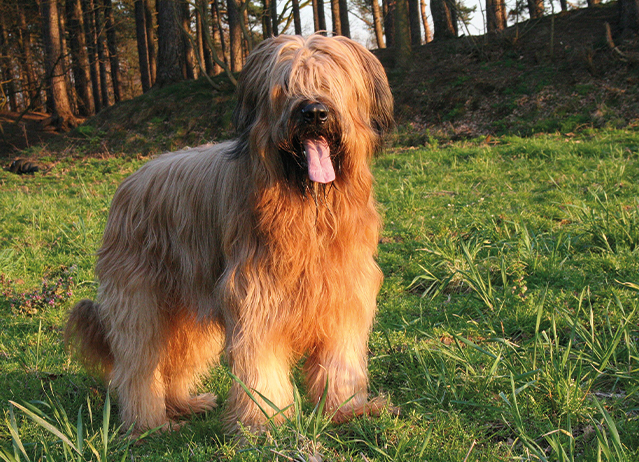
{"type": "Point", "coordinates": [507, 325]}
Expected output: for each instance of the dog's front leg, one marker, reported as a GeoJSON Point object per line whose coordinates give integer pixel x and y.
{"type": "Point", "coordinates": [262, 364]}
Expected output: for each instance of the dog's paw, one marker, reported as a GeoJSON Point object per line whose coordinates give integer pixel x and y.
{"type": "Point", "coordinates": [374, 407]}
{"type": "Point", "coordinates": [201, 403]}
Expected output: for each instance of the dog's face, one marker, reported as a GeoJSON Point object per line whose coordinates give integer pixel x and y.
{"type": "Point", "coordinates": [314, 109]}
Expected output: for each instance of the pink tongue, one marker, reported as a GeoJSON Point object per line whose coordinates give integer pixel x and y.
{"type": "Point", "coordinates": [318, 157]}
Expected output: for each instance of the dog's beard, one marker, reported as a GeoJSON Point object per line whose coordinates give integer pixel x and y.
{"type": "Point", "coordinates": [295, 159]}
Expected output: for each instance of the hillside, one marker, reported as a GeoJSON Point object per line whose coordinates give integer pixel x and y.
{"type": "Point", "coordinates": [514, 82]}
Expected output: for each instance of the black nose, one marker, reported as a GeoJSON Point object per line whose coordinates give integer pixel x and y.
{"type": "Point", "coordinates": [315, 114]}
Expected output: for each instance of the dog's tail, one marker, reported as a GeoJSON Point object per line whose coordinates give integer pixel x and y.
{"type": "Point", "coordinates": [85, 336]}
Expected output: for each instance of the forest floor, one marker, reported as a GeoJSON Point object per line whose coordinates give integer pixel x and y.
{"type": "Point", "coordinates": [560, 73]}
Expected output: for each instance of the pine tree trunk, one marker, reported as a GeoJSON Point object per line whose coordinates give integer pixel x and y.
{"type": "Point", "coordinates": [428, 36]}
{"type": "Point", "coordinates": [143, 50]}
{"type": "Point", "coordinates": [536, 8]}
{"type": "Point", "coordinates": [62, 116]}
{"type": "Point", "coordinates": [6, 66]}
{"type": "Point", "coordinates": [171, 59]}
{"type": "Point", "coordinates": [235, 35]}
{"type": "Point", "coordinates": [413, 20]}
{"type": "Point", "coordinates": [79, 55]}
{"type": "Point", "coordinates": [217, 38]}
{"type": "Point", "coordinates": [343, 19]}
{"type": "Point", "coordinates": [297, 21]}
{"type": "Point", "coordinates": [388, 9]}
{"type": "Point", "coordinates": [495, 16]}
{"type": "Point", "coordinates": [274, 18]}
{"type": "Point", "coordinates": [337, 22]}
{"type": "Point", "coordinates": [91, 34]}
{"type": "Point", "coordinates": [205, 32]}
{"type": "Point", "coordinates": [150, 39]}
{"type": "Point", "coordinates": [35, 100]}
{"type": "Point", "coordinates": [444, 19]}
{"type": "Point", "coordinates": [112, 46]}
{"type": "Point", "coordinates": [189, 66]}
{"type": "Point", "coordinates": [402, 33]}
{"type": "Point", "coordinates": [102, 59]}
{"type": "Point", "coordinates": [267, 23]}
{"type": "Point", "coordinates": [377, 21]}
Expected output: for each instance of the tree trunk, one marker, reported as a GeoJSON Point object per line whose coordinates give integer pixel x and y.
{"type": "Point", "coordinates": [6, 67]}
{"type": "Point", "coordinates": [113, 50]}
{"type": "Point", "coordinates": [536, 8]}
{"type": "Point", "coordinates": [297, 21]}
{"type": "Point", "coordinates": [203, 23]}
{"type": "Point", "coordinates": [343, 18]}
{"type": "Point", "coordinates": [62, 115]}
{"type": "Point", "coordinates": [413, 20]}
{"type": "Point", "coordinates": [267, 23]}
{"type": "Point", "coordinates": [402, 33]}
{"type": "Point", "coordinates": [428, 36]}
{"type": "Point", "coordinates": [377, 21]}
{"type": "Point", "coordinates": [235, 35]}
{"type": "Point", "coordinates": [444, 18]}
{"type": "Point", "coordinates": [171, 59]}
{"type": "Point", "coordinates": [629, 17]}
{"type": "Point", "coordinates": [592, 3]}
{"type": "Point", "coordinates": [217, 38]}
{"type": "Point", "coordinates": [143, 48]}
{"type": "Point", "coordinates": [495, 15]}
{"type": "Point", "coordinates": [35, 100]}
{"type": "Point", "coordinates": [274, 18]}
{"type": "Point", "coordinates": [150, 39]}
{"type": "Point", "coordinates": [337, 22]}
{"type": "Point", "coordinates": [388, 8]}
{"type": "Point", "coordinates": [185, 36]}
{"type": "Point", "coordinates": [80, 57]}
{"type": "Point", "coordinates": [564, 5]}
{"type": "Point", "coordinates": [91, 34]}
{"type": "Point", "coordinates": [104, 82]}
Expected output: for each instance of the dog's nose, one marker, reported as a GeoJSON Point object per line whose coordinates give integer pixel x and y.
{"type": "Point", "coordinates": [315, 114]}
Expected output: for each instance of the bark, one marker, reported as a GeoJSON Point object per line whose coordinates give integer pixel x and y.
{"type": "Point", "coordinates": [444, 19]}
{"type": "Point", "coordinates": [204, 33]}
{"type": "Point", "coordinates": [62, 116]}
{"type": "Point", "coordinates": [143, 48]}
{"type": "Point", "coordinates": [414, 23]}
{"type": "Point", "coordinates": [564, 5]}
{"type": "Point", "coordinates": [343, 18]}
{"type": "Point", "coordinates": [297, 21]}
{"type": "Point", "coordinates": [274, 18]}
{"type": "Point", "coordinates": [6, 66]}
{"type": "Point", "coordinates": [388, 9]}
{"type": "Point", "coordinates": [171, 58]}
{"type": "Point", "coordinates": [235, 35]}
{"type": "Point", "coordinates": [402, 34]}
{"type": "Point", "coordinates": [536, 8]}
{"type": "Point", "coordinates": [428, 35]}
{"type": "Point", "coordinates": [377, 22]}
{"type": "Point", "coordinates": [189, 61]}
{"type": "Point", "coordinates": [150, 39]}
{"type": "Point", "coordinates": [592, 3]}
{"type": "Point", "coordinates": [80, 56]}
{"type": "Point", "coordinates": [337, 22]}
{"type": "Point", "coordinates": [102, 59]}
{"type": "Point", "coordinates": [25, 42]}
{"type": "Point", "coordinates": [495, 15]}
{"type": "Point", "coordinates": [91, 34]}
{"type": "Point", "coordinates": [217, 38]}
{"type": "Point", "coordinates": [267, 23]}
{"type": "Point", "coordinates": [112, 46]}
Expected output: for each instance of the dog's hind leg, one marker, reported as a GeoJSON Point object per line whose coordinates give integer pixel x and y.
{"type": "Point", "coordinates": [136, 329]}
{"type": "Point", "coordinates": [192, 348]}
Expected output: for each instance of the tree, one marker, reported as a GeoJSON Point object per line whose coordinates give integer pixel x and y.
{"type": "Point", "coordinates": [428, 36]}
{"type": "Point", "coordinates": [377, 24]}
{"type": "Point", "coordinates": [235, 35]}
{"type": "Point", "coordinates": [62, 116]}
{"type": "Point", "coordinates": [402, 43]}
{"type": "Point", "coordinates": [102, 58]}
{"type": "Point", "coordinates": [388, 9]}
{"type": "Point", "coordinates": [343, 19]}
{"type": "Point", "coordinates": [413, 21]}
{"type": "Point", "coordinates": [444, 18]}
{"type": "Point", "coordinates": [79, 56]}
{"type": "Point", "coordinates": [113, 50]}
{"type": "Point", "coordinates": [150, 39]}
{"type": "Point", "coordinates": [629, 17]}
{"type": "Point", "coordinates": [319, 18]}
{"type": "Point", "coordinates": [267, 24]}
{"type": "Point", "coordinates": [536, 8]}
{"type": "Point", "coordinates": [143, 46]}
{"type": "Point", "coordinates": [25, 43]}
{"type": "Point", "coordinates": [189, 58]}
{"type": "Point", "coordinates": [297, 21]}
{"type": "Point", "coordinates": [337, 20]}
{"type": "Point", "coordinates": [495, 15]}
{"type": "Point", "coordinates": [203, 31]}
{"type": "Point", "coordinates": [91, 35]}
{"type": "Point", "coordinates": [171, 58]}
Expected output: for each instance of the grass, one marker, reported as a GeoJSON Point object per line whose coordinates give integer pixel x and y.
{"type": "Point", "coordinates": [507, 328]}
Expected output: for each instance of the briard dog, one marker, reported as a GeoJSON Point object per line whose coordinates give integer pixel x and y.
{"type": "Point", "coordinates": [262, 247]}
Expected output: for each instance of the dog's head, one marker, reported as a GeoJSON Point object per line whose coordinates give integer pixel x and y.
{"type": "Point", "coordinates": [313, 109]}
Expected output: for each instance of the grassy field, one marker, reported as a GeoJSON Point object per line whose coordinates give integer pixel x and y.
{"type": "Point", "coordinates": [507, 327]}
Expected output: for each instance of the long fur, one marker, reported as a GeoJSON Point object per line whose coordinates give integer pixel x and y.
{"type": "Point", "coordinates": [230, 247]}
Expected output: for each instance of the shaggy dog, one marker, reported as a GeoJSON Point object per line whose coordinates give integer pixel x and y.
{"type": "Point", "coordinates": [262, 247]}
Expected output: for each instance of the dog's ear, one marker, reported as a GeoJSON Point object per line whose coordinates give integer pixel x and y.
{"type": "Point", "coordinates": [381, 110]}
{"type": "Point", "coordinates": [250, 86]}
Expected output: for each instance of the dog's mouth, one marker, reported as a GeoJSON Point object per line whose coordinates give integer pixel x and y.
{"type": "Point", "coordinates": [318, 160]}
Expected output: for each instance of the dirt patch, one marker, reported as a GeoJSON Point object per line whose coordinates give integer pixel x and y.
{"type": "Point", "coordinates": [19, 132]}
